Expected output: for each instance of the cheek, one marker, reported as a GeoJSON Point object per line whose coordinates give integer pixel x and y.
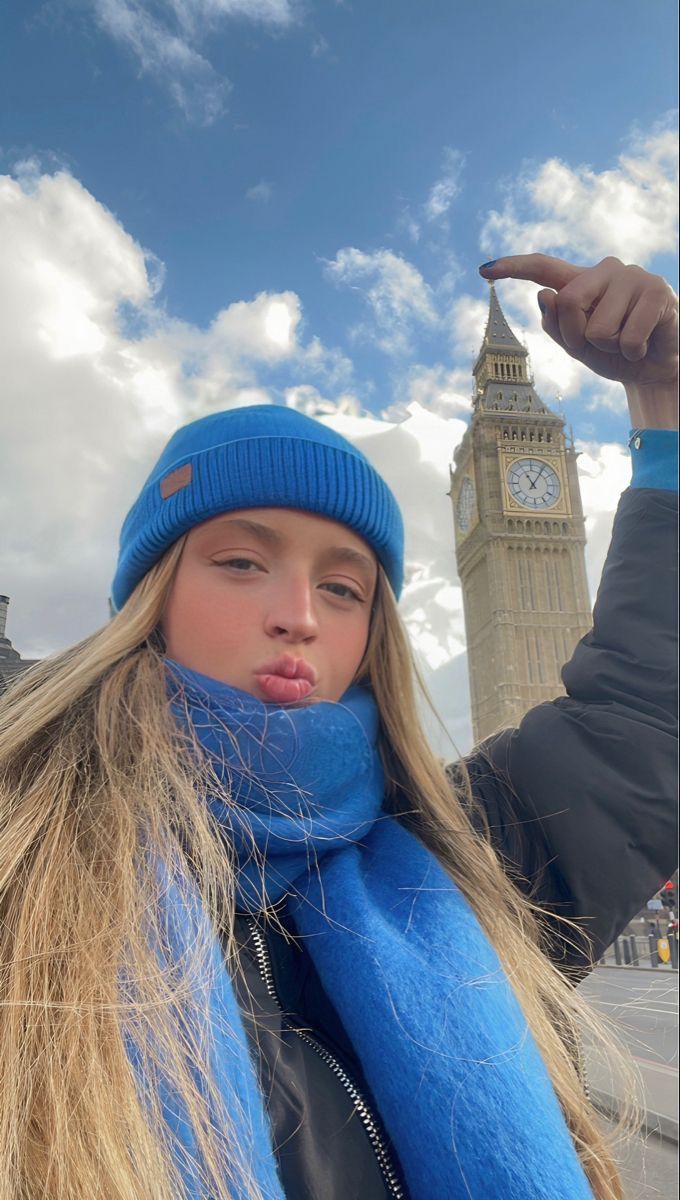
{"type": "Point", "coordinates": [349, 647]}
{"type": "Point", "coordinates": [196, 617]}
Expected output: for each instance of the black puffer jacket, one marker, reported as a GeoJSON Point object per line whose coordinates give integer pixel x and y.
{"type": "Point", "coordinates": [580, 803]}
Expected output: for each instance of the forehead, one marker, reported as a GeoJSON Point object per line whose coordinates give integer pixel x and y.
{"type": "Point", "coordinates": [288, 526]}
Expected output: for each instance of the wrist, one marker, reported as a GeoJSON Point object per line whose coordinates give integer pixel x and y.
{"type": "Point", "coordinates": [652, 406]}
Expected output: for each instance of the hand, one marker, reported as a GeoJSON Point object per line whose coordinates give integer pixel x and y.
{"type": "Point", "coordinates": [620, 321]}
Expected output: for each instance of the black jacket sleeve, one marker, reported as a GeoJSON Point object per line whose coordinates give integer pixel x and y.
{"type": "Point", "coordinates": [580, 799]}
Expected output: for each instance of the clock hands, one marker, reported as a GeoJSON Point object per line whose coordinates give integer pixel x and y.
{"type": "Point", "coordinates": [533, 482]}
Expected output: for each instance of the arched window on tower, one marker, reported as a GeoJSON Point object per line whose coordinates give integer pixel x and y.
{"type": "Point", "coordinates": [529, 656]}
{"type": "Point", "coordinates": [534, 657]}
{"type": "Point", "coordinates": [526, 582]}
{"type": "Point", "coordinates": [539, 658]}
{"type": "Point", "coordinates": [557, 561]}
{"type": "Point", "coordinates": [550, 584]}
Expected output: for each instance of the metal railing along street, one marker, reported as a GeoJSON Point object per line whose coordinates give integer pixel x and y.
{"type": "Point", "coordinates": [646, 950]}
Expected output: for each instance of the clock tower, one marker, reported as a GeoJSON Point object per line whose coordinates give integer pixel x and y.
{"type": "Point", "coordinates": [520, 537]}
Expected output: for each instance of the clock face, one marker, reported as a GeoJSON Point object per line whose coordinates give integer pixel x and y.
{"type": "Point", "coordinates": [533, 483]}
{"type": "Point", "coordinates": [466, 504]}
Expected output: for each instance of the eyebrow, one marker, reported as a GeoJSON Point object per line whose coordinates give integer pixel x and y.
{"type": "Point", "coordinates": [346, 554]}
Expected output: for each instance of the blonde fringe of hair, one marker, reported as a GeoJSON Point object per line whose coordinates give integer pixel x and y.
{"type": "Point", "coordinates": [93, 769]}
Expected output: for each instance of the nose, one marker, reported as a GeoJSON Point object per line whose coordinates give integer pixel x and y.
{"type": "Point", "coordinates": [291, 616]}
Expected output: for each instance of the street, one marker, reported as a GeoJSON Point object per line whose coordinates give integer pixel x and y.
{"type": "Point", "coordinates": [649, 1167]}
{"type": "Point", "coordinates": [643, 1005]}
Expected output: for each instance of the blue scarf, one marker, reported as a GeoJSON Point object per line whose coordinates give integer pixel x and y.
{"type": "Point", "coordinates": [446, 1051]}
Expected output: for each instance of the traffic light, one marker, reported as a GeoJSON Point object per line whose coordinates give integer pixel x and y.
{"type": "Point", "coordinates": [667, 895]}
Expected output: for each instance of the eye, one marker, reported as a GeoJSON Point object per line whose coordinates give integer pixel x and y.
{"type": "Point", "coordinates": [343, 592]}
{"type": "Point", "coordinates": [242, 565]}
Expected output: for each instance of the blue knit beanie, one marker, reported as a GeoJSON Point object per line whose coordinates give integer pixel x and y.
{"type": "Point", "coordinates": [266, 456]}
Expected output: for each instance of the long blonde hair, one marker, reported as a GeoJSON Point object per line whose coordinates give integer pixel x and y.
{"type": "Point", "coordinates": [92, 767]}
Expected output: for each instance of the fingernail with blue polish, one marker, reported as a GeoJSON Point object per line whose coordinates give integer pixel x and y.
{"type": "Point", "coordinates": [487, 266]}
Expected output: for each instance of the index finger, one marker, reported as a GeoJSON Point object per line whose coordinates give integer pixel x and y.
{"type": "Point", "coordinates": [539, 268]}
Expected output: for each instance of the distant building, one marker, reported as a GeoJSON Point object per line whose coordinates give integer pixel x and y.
{"type": "Point", "coordinates": [520, 537]}
{"type": "Point", "coordinates": [11, 662]}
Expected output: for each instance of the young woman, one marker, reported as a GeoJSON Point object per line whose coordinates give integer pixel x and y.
{"type": "Point", "coordinates": [254, 941]}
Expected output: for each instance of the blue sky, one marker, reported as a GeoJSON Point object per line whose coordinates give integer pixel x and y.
{"type": "Point", "coordinates": [218, 201]}
{"type": "Point", "coordinates": [327, 128]}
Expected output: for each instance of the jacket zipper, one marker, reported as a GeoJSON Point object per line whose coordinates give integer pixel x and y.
{"type": "Point", "coordinates": [582, 1069]}
{"type": "Point", "coordinates": [363, 1111]}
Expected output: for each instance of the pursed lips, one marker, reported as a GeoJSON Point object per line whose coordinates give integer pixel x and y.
{"type": "Point", "coordinates": [286, 679]}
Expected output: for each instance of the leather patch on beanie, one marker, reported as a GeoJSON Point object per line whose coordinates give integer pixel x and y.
{"type": "Point", "coordinates": [175, 481]}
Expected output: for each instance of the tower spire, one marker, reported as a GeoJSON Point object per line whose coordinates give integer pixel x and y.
{"type": "Point", "coordinates": [502, 370]}
{"type": "Point", "coordinates": [498, 335]}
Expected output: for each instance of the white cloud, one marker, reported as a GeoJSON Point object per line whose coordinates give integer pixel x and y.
{"type": "Point", "coordinates": [608, 394]}
{"type": "Point", "coordinates": [308, 400]}
{"type": "Point", "coordinates": [467, 319]}
{"type": "Point", "coordinates": [262, 192]}
{"type": "Point", "coordinates": [438, 389]}
{"type": "Point", "coordinates": [604, 472]}
{"type": "Point", "coordinates": [320, 46]}
{"type": "Point", "coordinates": [166, 47]}
{"type": "Point", "coordinates": [395, 291]}
{"type": "Point", "coordinates": [434, 211]}
{"type": "Point", "coordinates": [193, 83]}
{"type": "Point", "coordinates": [445, 190]}
{"type": "Point", "coordinates": [409, 224]}
{"type": "Point", "coordinates": [264, 328]}
{"type": "Point", "coordinates": [629, 211]}
{"type": "Point", "coordinates": [192, 14]}
{"type": "Point", "coordinates": [326, 362]}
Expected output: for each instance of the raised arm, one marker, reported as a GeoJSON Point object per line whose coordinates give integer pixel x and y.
{"type": "Point", "coordinates": [581, 797]}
